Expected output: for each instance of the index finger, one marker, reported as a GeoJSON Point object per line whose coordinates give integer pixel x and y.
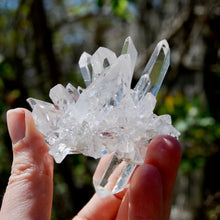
{"type": "Point", "coordinates": [165, 153]}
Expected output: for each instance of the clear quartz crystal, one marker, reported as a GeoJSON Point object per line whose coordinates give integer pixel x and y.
{"type": "Point", "coordinates": [114, 177]}
{"type": "Point", "coordinates": [108, 118]}
{"type": "Point", "coordinates": [86, 68]}
{"type": "Point", "coordinates": [155, 71]}
{"type": "Point", "coordinates": [150, 81]}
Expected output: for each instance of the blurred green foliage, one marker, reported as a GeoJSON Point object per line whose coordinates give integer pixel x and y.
{"type": "Point", "coordinates": [195, 122]}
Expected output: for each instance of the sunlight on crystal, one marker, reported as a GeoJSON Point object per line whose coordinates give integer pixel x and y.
{"type": "Point", "coordinates": [108, 117]}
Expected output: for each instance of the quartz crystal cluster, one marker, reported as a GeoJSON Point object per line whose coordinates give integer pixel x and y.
{"type": "Point", "coordinates": [108, 116]}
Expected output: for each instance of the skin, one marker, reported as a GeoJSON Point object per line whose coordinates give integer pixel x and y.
{"type": "Point", "coordinates": [30, 188]}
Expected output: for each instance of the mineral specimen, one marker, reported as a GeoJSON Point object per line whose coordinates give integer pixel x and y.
{"type": "Point", "coordinates": [108, 116]}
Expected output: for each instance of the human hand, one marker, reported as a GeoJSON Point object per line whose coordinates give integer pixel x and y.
{"type": "Point", "coordinates": [30, 188]}
{"type": "Point", "coordinates": [149, 194]}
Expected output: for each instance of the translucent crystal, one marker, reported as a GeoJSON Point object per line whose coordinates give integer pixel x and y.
{"type": "Point", "coordinates": [62, 97]}
{"type": "Point", "coordinates": [114, 177]}
{"type": "Point", "coordinates": [155, 71]}
{"type": "Point", "coordinates": [101, 60]}
{"type": "Point", "coordinates": [129, 48]}
{"type": "Point", "coordinates": [85, 67]}
{"type": "Point", "coordinates": [73, 92]}
{"type": "Point", "coordinates": [46, 116]}
{"type": "Point", "coordinates": [108, 117]}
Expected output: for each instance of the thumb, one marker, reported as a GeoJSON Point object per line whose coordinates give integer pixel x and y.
{"type": "Point", "coordinates": [30, 187]}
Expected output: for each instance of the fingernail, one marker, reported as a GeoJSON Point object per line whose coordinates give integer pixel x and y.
{"type": "Point", "coordinates": [16, 124]}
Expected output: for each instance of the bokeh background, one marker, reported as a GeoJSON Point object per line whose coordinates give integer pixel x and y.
{"type": "Point", "coordinates": [40, 45]}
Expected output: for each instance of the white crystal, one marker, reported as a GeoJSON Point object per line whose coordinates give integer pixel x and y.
{"type": "Point", "coordinates": [73, 92]}
{"type": "Point", "coordinates": [85, 67]}
{"type": "Point", "coordinates": [155, 71]}
{"type": "Point", "coordinates": [101, 60]}
{"type": "Point", "coordinates": [108, 116]}
{"type": "Point", "coordinates": [129, 48]}
{"type": "Point", "coordinates": [62, 97]}
{"type": "Point", "coordinates": [46, 116]}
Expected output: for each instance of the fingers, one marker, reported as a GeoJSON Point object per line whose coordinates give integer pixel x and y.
{"type": "Point", "coordinates": [164, 153]}
{"type": "Point", "coordinates": [101, 208]}
{"type": "Point", "coordinates": [150, 191]}
{"type": "Point", "coordinates": [145, 194]}
{"type": "Point", "coordinates": [123, 210]}
{"type": "Point", "coordinates": [29, 191]}
{"type": "Point", "coordinates": [144, 197]}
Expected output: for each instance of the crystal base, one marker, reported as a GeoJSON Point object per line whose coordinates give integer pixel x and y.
{"type": "Point", "coordinates": [114, 177]}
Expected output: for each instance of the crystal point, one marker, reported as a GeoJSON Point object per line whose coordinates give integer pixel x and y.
{"type": "Point", "coordinates": [101, 60]}
{"type": "Point", "coordinates": [73, 93]}
{"type": "Point", "coordinates": [85, 67]}
{"type": "Point", "coordinates": [156, 69]}
{"type": "Point", "coordinates": [129, 48]}
{"type": "Point", "coordinates": [61, 97]}
{"type": "Point", "coordinates": [46, 116]}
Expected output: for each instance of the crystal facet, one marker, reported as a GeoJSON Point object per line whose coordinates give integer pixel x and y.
{"type": "Point", "coordinates": [108, 117]}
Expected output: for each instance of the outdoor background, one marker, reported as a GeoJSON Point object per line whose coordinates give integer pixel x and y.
{"type": "Point", "coordinates": [40, 45]}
